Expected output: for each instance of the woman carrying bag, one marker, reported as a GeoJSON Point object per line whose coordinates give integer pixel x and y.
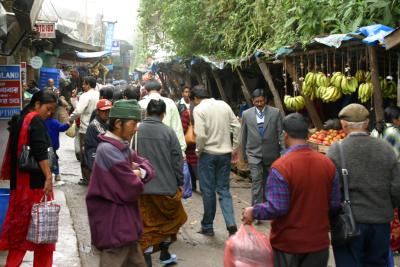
{"type": "Point", "coordinates": [190, 138]}
{"type": "Point", "coordinates": [27, 188]}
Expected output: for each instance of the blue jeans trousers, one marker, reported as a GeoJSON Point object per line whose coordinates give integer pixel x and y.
{"type": "Point", "coordinates": [368, 250]}
{"type": "Point", "coordinates": [214, 171]}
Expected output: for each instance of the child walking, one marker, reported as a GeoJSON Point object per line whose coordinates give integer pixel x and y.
{"type": "Point", "coordinates": [54, 127]}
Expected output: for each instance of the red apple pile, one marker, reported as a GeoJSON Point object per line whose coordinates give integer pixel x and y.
{"type": "Point", "coordinates": [327, 137]}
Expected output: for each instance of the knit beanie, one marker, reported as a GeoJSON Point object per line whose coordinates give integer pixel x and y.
{"type": "Point", "coordinates": [126, 109]}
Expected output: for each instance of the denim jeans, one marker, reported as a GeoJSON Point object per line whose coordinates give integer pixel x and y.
{"type": "Point", "coordinates": [214, 171]}
{"type": "Point", "coordinates": [368, 250]}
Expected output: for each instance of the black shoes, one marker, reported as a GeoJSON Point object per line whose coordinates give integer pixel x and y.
{"type": "Point", "coordinates": [232, 229]}
{"type": "Point", "coordinates": [206, 233]}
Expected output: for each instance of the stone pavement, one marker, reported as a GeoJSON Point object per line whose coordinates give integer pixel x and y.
{"type": "Point", "coordinates": [66, 254]}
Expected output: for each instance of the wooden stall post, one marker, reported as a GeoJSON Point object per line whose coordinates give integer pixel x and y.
{"type": "Point", "coordinates": [245, 88]}
{"type": "Point", "coordinates": [198, 77]}
{"type": "Point", "coordinates": [378, 103]}
{"type": "Point", "coordinates": [316, 120]}
{"type": "Point", "coordinates": [219, 85]}
{"type": "Point", "coordinates": [164, 84]}
{"type": "Point", "coordinates": [172, 83]}
{"type": "Point", "coordinates": [268, 77]}
{"type": "Point", "coordinates": [204, 78]}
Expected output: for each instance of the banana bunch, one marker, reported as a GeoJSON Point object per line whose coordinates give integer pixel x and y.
{"type": "Point", "coordinates": [360, 76]}
{"type": "Point", "coordinates": [349, 85]}
{"type": "Point", "coordinates": [308, 90]}
{"type": "Point", "coordinates": [321, 79]}
{"type": "Point", "coordinates": [310, 79]}
{"type": "Point", "coordinates": [295, 103]}
{"type": "Point", "coordinates": [329, 94]}
{"type": "Point", "coordinates": [389, 88]}
{"type": "Point", "coordinates": [336, 79]}
{"type": "Point", "coordinates": [365, 92]}
{"type": "Point", "coordinates": [320, 91]}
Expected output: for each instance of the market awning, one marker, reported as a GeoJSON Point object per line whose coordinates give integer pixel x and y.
{"type": "Point", "coordinates": [99, 54]}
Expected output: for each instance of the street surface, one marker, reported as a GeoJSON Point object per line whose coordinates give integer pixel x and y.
{"type": "Point", "coordinates": [192, 249]}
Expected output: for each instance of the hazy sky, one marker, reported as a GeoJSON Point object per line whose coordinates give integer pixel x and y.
{"type": "Point", "coordinates": [122, 11]}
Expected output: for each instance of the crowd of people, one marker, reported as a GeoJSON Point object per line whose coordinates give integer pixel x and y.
{"type": "Point", "coordinates": [132, 149]}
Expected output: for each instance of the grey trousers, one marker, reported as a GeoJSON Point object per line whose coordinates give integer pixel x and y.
{"type": "Point", "coordinates": [258, 175]}
{"type": "Point", "coordinates": [314, 259]}
{"type": "Point", "coordinates": [127, 256]}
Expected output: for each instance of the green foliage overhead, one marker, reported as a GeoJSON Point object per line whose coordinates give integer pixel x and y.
{"type": "Point", "coordinates": [236, 28]}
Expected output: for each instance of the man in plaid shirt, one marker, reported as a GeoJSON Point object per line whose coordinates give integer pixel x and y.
{"type": "Point", "coordinates": [301, 188]}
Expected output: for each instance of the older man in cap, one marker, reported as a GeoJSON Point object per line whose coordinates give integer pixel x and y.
{"type": "Point", "coordinates": [116, 184]}
{"type": "Point", "coordinates": [374, 187]}
{"type": "Point", "coordinates": [301, 188]}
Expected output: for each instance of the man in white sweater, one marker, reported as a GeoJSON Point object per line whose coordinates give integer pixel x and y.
{"type": "Point", "coordinates": [214, 123]}
{"type": "Point", "coordinates": [84, 109]}
{"type": "Point", "coordinates": [171, 118]}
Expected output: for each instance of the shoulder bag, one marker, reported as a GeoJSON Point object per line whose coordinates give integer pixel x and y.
{"type": "Point", "coordinates": [190, 136]}
{"type": "Point", "coordinates": [343, 225]}
{"type": "Point", "coordinates": [28, 163]}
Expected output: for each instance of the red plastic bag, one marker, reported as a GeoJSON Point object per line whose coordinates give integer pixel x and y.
{"type": "Point", "coordinates": [248, 248]}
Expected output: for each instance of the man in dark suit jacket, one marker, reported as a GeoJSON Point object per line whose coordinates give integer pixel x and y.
{"type": "Point", "coordinates": [262, 141]}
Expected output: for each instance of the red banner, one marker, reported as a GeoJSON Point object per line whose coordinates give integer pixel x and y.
{"type": "Point", "coordinates": [10, 94]}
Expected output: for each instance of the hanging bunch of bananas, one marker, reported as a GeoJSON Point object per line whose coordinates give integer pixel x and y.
{"type": "Point", "coordinates": [365, 91]}
{"type": "Point", "coordinates": [310, 79]}
{"type": "Point", "coordinates": [360, 76]}
{"type": "Point", "coordinates": [389, 88]}
{"type": "Point", "coordinates": [322, 80]}
{"type": "Point", "coordinates": [328, 94]}
{"type": "Point", "coordinates": [295, 103]}
{"type": "Point", "coordinates": [308, 87]}
{"type": "Point", "coordinates": [349, 85]}
{"type": "Point", "coordinates": [309, 91]}
{"type": "Point", "coordinates": [337, 78]}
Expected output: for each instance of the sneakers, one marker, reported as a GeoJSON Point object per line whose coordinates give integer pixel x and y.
{"type": "Point", "coordinates": [57, 178]}
{"type": "Point", "coordinates": [206, 233]}
{"type": "Point", "coordinates": [232, 229]}
{"type": "Point", "coordinates": [172, 259]}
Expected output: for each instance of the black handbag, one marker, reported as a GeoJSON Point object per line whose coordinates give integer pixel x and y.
{"type": "Point", "coordinates": [343, 226]}
{"type": "Point", "coordinates": [28, 163]}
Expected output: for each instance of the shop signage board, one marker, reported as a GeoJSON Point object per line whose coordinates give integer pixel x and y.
{"type": "Point", "coordinates": [10, 90]}
{"type": "Point", "coordinates": [115, 49]}
{"type": "Point", "coordinates": [109, 36]}
{"type": "Point", "coordinates": [46, 30]}
{"type": "Point", "coordinates": [36, 62]}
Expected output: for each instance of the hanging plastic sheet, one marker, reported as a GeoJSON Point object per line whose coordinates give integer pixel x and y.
{"type": "Point", "coordinates": [333, 40]}
{"type": "Point", "coordinates": [283, 51]}
{"type": "Point", "coordinates": [374, 34]}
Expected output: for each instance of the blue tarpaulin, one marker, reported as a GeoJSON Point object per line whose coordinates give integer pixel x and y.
{"type": "Point", "coordinates": [92, 54]}
{"type": "Point", "coordinates": [374, 34]}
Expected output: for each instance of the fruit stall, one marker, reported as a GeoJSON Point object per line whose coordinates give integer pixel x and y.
{"type": "Point", "coordinates": [337, 70]}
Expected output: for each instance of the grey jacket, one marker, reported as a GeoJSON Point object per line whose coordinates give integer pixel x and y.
{"type": "Point", "coordinates": [158, 143]}
{"type": "Point", "coordinates": [266, 148]}
{"type": "Point", "coordinates": [374, 177]}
